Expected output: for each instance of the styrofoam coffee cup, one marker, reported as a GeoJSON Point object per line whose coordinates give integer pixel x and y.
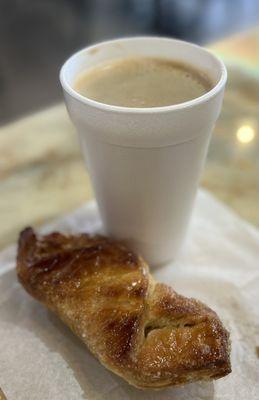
{"type": "Point", "coordinates": [145, 163]}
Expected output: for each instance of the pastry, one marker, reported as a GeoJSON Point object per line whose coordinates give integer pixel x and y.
{"type": "Point", "coordinates": [141, 330]}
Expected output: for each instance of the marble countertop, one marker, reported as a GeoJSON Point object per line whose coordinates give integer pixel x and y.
{"type": "Point", "coordinates": [42, 174]}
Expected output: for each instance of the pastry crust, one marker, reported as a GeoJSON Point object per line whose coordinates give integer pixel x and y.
{"type": "Point", "coordinates": [139, 329]}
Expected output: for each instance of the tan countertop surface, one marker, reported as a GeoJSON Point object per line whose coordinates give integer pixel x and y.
{"type": "Point", "coordinates": [42, 175]}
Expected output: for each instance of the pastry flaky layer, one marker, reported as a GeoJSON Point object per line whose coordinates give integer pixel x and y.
{"type": "Point", "coordinates": [140, 329]}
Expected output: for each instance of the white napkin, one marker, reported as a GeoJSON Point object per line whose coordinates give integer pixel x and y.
{"type": "Point", "coordinates": [40, 359]}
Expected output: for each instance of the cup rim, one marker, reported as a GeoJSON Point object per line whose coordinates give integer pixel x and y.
{"type": "Point", "coordinates": [142, 110]}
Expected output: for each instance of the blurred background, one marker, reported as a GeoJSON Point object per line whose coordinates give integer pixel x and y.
{"type": "Point", "coordinates": [36, 36]}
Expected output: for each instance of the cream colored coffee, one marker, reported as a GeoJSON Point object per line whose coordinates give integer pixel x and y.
{"type": "Point", "coordinates": [142, 82]}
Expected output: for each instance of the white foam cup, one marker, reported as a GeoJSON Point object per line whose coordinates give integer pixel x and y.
{"type": "Point", "coordinates": [145, 163]}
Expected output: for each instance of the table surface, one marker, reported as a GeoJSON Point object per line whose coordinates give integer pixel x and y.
{"type": "Point", "coordinates": [42, 175]}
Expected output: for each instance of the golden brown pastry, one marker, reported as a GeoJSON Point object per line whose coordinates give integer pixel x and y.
{"type": "Point", "coordinates": [139, 329]}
